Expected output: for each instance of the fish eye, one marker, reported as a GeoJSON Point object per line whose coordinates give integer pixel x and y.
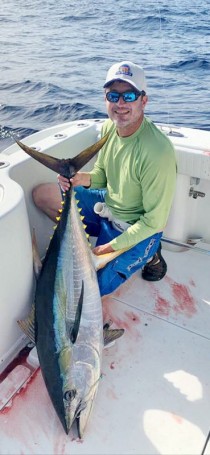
{"type": "Point", "coordinates": [69, 395]}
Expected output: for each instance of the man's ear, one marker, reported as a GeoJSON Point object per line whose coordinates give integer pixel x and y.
{"type": "Point", "coordinates": [144, 100]}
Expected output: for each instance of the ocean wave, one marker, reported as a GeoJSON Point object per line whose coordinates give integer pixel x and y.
{"type": "Point", "coordinates": [34, 118]}
{"type": "Point", "coordinates": [9, 135]}
{"type": "Point", "coordinates": [54, 57]}
{"type": "Point", "coordinates": [79, 17]}
{"type": "Point", "coordinates": [137, 22]}
{"type": "Point", "coordinates": [193, 63]}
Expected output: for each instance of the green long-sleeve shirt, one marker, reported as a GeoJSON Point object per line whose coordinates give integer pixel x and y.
{"type": "Point", "coordinates": [139, 173]}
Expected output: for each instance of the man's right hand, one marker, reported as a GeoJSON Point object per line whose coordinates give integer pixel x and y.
{"type": "Point", "coordinates": [63, 182]}
{"type": "Point", "coordinates": [80, 178]}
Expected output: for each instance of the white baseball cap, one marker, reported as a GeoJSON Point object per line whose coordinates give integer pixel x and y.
{"type": "Point", "coordinates": [128, 72]}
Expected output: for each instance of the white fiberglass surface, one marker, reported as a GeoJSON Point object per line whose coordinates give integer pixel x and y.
{"type": "Point", "coordinates": [154, 394]}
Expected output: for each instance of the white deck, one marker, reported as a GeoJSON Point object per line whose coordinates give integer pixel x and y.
{"type": "Point", "coordinates": [154, 395]}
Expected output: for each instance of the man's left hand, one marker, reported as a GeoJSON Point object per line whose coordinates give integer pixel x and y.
{"type": "Point", "coordinates": [102, 249]}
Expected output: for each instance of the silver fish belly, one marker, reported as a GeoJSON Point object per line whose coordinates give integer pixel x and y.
{"type": "Point", "coordinates": [80, 359]}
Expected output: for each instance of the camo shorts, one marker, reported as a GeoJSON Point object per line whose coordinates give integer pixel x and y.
{"type": "Point", "coordinates": [121, 268]}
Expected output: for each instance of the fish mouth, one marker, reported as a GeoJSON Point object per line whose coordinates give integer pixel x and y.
{"type": "Point", "coordinates": [78, 404]}
{"type": "Point", "coordinates": [72, 415]}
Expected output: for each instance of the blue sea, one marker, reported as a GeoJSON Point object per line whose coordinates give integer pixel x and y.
{"type": "Point", "coordinates": [54, 56]}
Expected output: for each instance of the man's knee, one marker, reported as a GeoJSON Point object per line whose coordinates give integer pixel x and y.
{"type": "Point", "coordinates": [109, 279]}
{"type": "Point", "coordinates": [39, 195]}
{"type": "Point", "coordinates": [47, 198]}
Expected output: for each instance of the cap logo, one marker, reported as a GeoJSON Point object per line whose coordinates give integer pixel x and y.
{"type": "Point", "coordinates": [124, 70]}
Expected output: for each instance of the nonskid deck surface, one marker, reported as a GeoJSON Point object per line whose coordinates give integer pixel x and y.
{"type": "Point", "coordinates": [154, 395]}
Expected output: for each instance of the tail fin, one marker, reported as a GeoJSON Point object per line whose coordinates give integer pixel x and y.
{"type": "Point", "coordinates": [65, 167]}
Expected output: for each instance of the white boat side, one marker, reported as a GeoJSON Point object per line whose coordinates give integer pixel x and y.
{"type": "Point", "coordinates": [154, 395]}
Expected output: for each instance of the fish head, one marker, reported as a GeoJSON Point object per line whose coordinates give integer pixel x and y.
{"type": "Point", "coordinates": [78, 396]}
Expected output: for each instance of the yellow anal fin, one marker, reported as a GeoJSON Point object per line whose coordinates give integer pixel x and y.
{"type": "Point", "coordinates": [101, 260]}
{"type": "Point", "coordinates": [111, 335]}
{"type": "Point", "coordinates": [36, 257]}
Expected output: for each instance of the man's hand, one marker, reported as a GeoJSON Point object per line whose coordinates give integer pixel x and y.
{"type": "Point", "coordinates": [103, 249]}
{"type": "Point", "coordinates": [80, 178]}
{"type": "Point", "coordinates": [63, 182]}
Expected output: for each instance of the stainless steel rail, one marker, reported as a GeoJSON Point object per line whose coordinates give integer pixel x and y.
{"type": "Point", "coordinates": [185, 245]}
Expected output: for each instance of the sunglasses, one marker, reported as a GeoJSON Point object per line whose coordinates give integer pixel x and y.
{"type": "Point", "coordinates": [128, 97]}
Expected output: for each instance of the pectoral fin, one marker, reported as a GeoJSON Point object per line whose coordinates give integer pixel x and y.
{"type": "Point", "coordinates": [74, 329]}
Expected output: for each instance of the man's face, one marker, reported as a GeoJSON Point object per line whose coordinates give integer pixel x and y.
{"type": "Point", "coordinates": [126, 115]}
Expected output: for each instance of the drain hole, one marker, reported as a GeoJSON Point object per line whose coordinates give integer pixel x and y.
{"type": "Point", "coordinates": [4, 164]}
{"type": "Point", "coordinates": [80, 125]}
{"type": "Point", "coordinates": [60, 136]}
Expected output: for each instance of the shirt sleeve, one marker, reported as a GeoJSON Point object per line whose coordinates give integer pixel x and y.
{"type": "Point", "coordinates": [158, 180]}
{"type": "Point", "coordinates": [97, 175]}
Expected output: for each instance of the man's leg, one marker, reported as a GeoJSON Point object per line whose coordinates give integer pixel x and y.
{"type": "Point", "coordinates": [120, 269]}
{"type": "Point", "coordinates": [99, 227]}
{"type": "Point", "coordinates": [47, 197]}
{"type": "Point", "coordinates": [156, 269]}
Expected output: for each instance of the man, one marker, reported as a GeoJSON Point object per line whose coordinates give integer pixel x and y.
{"type": "Point", "coordinates": [132, 181]}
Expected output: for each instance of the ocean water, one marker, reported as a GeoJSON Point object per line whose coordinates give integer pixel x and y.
{"type": "Point", "coordinates": [54, 56]}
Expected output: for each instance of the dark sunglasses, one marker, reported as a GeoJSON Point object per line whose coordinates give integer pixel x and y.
{"type": "Point", "coordinates": [128, 97]}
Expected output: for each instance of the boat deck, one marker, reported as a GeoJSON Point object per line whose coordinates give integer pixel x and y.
{"type": "Point", "coordinates": [154, 394]}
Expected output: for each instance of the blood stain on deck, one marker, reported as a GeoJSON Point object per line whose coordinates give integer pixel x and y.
{"type": "Point", "coordinates": [180, 301]}
{"type": "Point", "coordinates": [185, 302]}
{"type": "Point", "coordinates": [129, 320]}
{"type": "Point", "coordinates": [162, 306]}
